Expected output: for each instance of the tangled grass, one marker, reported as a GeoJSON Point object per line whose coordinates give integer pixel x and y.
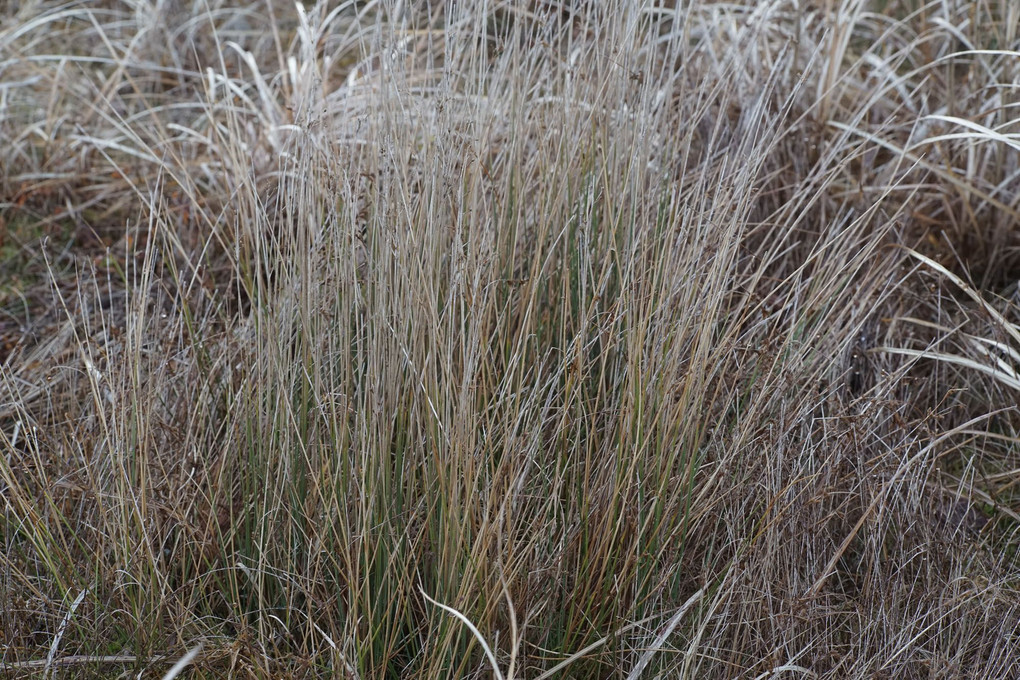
{"type": "Point", "coordinates": [524, 339]}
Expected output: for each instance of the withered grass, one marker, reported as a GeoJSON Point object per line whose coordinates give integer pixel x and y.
{"type": "Point", "coordinates": [509, 339]}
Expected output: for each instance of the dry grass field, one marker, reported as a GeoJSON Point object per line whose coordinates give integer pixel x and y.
{"type": "Point", "coordinates": [509, 339]}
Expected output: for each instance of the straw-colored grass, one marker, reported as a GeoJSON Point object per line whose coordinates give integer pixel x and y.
{"type": "Point", "coordinates": [509, 339]}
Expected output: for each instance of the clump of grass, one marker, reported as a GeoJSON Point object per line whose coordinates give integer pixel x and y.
{"type": "Point", "coordinates": [523, 339]}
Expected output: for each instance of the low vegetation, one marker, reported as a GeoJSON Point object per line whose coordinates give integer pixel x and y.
{"type": "Point", "coordinates": [509, 339]}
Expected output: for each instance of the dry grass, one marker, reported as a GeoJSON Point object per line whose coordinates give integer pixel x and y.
{"type": "Point", "coordinates": [522, 340]}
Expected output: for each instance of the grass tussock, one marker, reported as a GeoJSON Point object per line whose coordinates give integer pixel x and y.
{"type": "Point", "coordinates": [522, 340]}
